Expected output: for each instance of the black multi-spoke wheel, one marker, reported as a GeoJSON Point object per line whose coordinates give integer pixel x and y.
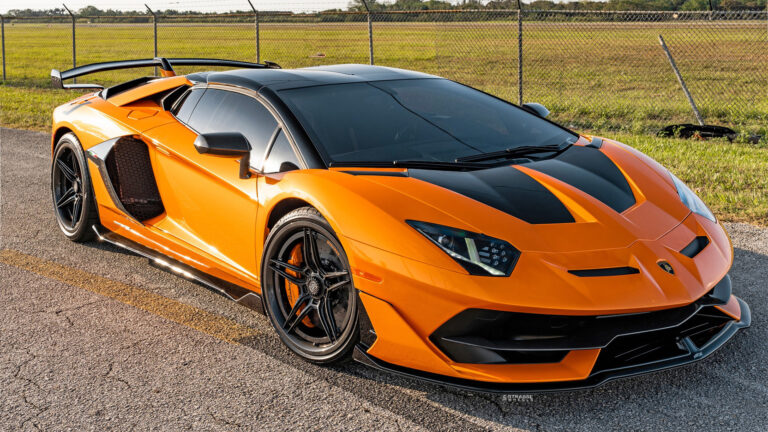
{"type": "Point", "coordinates": [307, 288]}
{"type": "Point", "coordinates": [71, 189]}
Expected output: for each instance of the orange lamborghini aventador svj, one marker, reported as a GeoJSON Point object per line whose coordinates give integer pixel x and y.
{"type": "Point", "coordinates": [407, 221]}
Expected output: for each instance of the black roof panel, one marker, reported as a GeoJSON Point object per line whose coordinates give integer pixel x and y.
{"type": "Point", "coordinates": [280, 79]}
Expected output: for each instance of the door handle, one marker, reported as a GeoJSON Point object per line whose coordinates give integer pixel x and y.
{"type": "Point", "coordinates": [162, 150]}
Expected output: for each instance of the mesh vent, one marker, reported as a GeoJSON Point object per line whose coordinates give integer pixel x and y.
{"type": "Point", "coordinates": [130, 172]}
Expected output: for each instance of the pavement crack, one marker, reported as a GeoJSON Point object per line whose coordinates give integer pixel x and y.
{"type": "Point", "coordinates": [17, 373]}
{"type": "Point", "coordinates": [108, 375]}
{"type": "Point", "coordinates": [62, 312]}
{"type": "Point", "coordinates": [39, 409]}
{"type": "Point", "coordinates": [224, 420]}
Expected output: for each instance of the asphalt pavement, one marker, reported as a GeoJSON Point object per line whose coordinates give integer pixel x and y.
{"type": "Point", "coordinates": [93, 338]}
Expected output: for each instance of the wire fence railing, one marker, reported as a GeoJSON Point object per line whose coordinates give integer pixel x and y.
{"type": "Point", "coordinates": [598, 70]}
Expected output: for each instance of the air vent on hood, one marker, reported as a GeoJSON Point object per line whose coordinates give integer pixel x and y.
{"type": "Point", "coordinates": [697, 245]}
{"type": "Point", "coordinates": [611, 271]}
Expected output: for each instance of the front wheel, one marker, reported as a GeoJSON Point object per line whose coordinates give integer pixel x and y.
{"type": "Point", "coordinates": [307, 288]}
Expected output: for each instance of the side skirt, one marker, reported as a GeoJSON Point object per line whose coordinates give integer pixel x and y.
{"type": "Point", "coordinates": [229, 290]}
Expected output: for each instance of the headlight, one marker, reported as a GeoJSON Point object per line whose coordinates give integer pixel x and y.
{"type": "Point", "coordinates": [691, 200]}
{"type": "Point", "coordinates": [479, 254]}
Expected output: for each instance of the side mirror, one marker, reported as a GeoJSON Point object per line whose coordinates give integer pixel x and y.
{"type": "Point", "coordinates": [536, 108]}
{"type": "Point", "coordinates": [227, 144]}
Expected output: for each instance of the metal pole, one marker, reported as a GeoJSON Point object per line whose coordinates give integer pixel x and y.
{"type": "Point", "coordinates": [519, 56]}
{"type": "Point", "coordinates": [154, 23]}
{"type": "Point", "coordinates": [2, 26]}
{"type": "Point", "coordinates": [681, 81]}
{"type": "Point", "coordinates": [74, 50]}
{"type": "Point", "coordinates": [256, 23]}
{"type": "Point", "coordinates": [370, 33]}
{"type": "Point", "coordinates": [370, 38]}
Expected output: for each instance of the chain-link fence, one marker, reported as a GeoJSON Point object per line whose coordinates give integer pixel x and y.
{"type": "Point", "coordinates": [597, 70]}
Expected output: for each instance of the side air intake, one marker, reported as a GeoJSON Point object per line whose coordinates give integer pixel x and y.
{"type": "Point", "coordinates": [133, 180]}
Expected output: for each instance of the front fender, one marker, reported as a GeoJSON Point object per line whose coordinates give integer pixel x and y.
{"type": "Point", "coordinates": [359, 210]}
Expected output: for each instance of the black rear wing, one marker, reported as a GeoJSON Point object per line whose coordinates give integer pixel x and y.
{"type": "Point", "coordinates": [165, 65]}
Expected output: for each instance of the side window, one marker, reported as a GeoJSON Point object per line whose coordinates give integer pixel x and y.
{"type": "Point", "coordinates": [187, 104]}
{"type": "Point", "coordinates": [226, 111]}
{"type": "Point", "coordinates": [281, 156]}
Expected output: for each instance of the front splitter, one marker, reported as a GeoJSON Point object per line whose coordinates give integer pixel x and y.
{"type": "Point", "coordinates": [695, 354]}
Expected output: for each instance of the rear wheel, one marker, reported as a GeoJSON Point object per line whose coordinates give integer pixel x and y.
{"type": "Point", "coordinates": [74, 205]}
{"type": "Point", "coordinates": [307, 288]}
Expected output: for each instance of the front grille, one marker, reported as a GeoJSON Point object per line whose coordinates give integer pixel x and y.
{"type": "Point", "coordinates": [483, 336]}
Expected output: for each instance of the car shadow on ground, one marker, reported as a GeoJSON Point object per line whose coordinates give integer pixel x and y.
{"type": "Point", "coordinates": [723, 389]}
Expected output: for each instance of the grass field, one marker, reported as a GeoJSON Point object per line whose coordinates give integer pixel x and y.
{"type": "Point", "coordinates": [596, 75]}
{"type": "Point", "coordinates": [610, 78]}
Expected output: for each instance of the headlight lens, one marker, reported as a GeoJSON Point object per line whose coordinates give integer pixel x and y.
{"type": "Point", "coordinates": [691, 200]}
{"type": "Point", "coordinates": [479, 254]}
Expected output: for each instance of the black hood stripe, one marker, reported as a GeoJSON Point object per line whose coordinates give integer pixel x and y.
{"type": "Point", "coordinates": [592, 172]}
{"type": "Point", "coordinates": [504, 188]}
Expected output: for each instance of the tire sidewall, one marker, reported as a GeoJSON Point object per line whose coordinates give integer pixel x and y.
{"type": "Point", "coordinates": [280, 231]}
{"type": "Point", "coordinates": [81, 229]}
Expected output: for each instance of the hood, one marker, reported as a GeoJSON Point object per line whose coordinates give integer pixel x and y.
{"type": "Point", "coordinates": [583, 199]}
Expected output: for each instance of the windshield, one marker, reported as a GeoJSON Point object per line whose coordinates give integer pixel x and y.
{"type": "Point", "coordinates": [415, 119]}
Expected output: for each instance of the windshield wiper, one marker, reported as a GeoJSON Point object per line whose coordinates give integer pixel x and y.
{"type": "Point", "coordinates": [415, 164]}
{"type": "Point", "coordinates": [514, 152]}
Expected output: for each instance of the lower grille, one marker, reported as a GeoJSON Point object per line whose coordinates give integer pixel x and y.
{"type": "Point", "coordinates": [633, 350]}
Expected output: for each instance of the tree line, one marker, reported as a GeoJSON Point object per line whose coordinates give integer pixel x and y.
{"type": "Point", "coordinates": [429, 5]}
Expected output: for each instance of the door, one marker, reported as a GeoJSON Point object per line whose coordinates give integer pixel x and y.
{"type": "Point", "coordinates": [208, 206]}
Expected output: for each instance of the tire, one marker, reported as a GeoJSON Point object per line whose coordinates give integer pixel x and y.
{"type": "Point", "coordinates": [311, 303]}
{"type": "Point", "coordinates": [73, 202]}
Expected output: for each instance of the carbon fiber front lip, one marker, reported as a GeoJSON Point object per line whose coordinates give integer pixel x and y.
{"type": "Point", "coordinates": [594, 380]}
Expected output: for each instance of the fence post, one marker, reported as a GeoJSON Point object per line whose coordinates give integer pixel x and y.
{"type": "Point", "coordinates": [519, 54]}
{"type": "Point", "coordinates": [74, 49]}
{"type": "Point", "coordinates": [370, 33]}
{"type": "Point", "coordinates": [2, 32]}
{"type": "Point", "coordinates": [256, 23]}
{"type": "Point", "coordinates": [154, 23]}
{"type": "Point", "coordinates": [681, 81]}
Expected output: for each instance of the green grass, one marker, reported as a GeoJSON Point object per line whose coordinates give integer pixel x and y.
{"type": "Point", "coordinates": [732, 178]}
{"type": "Point", "coordinates": [609, 78]}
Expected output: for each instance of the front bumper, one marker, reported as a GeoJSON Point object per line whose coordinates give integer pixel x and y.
{"type": "Point", "coordinates": [605, 369]}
